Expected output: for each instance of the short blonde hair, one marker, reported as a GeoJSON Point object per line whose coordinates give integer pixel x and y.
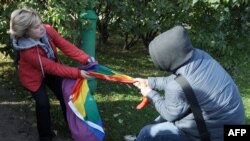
{"type": "Point", "coordinates": [21, 20]}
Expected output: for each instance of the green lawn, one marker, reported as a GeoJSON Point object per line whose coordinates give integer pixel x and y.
{"type": "Point", "coordinates": [117, 101]}
{"type": "Point", "coordinates": [242, 79]}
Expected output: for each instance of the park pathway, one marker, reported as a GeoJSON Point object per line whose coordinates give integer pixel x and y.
{"type": "Point", "coordinates": [16, 123]}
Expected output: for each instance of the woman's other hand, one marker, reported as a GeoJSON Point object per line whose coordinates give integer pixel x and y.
{"type": "Point", "coordinates": [85, 74]}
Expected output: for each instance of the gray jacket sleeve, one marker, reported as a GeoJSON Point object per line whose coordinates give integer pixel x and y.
{"type": "Point", "coordinates": [158, 83]}
{"type": "Point", "coordinates": [172, 105]}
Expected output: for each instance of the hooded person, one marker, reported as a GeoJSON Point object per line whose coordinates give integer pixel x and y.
{"type": "Point", "coordinates": [215, 90]}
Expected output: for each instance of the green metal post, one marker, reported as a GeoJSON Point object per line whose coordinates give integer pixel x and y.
{"type": "Point", "coordinates": [88, 35]}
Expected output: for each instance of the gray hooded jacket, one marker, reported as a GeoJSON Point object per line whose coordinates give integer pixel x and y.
{"type": "Point", "coordinates": [217, 94]}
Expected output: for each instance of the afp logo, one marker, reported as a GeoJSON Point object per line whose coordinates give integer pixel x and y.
{"type": "Point", "coordinates": [241, 132]}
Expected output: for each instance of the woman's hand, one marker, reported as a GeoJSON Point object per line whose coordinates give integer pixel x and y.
{"type": "Point", "coordinates": [85, 74]}
{"type": "Point", "coordinates": [91, 60]}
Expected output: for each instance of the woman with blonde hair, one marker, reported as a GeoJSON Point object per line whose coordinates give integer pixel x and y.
{"type": "Point", "coordinates": [39, 65]}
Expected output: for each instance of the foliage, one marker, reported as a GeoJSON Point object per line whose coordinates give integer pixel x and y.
{"type": "Point", "coordinates": [214, 25]}
{"type": "Point", "coordinates": [107, 16]}
{"type": "Point", "coordinates": [142, 20]}
{"type": "Point", "coordinates": [4, 24]}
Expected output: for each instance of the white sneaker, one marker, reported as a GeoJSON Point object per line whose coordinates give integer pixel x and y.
{"type": "Point", "coordinates": [129, 138]}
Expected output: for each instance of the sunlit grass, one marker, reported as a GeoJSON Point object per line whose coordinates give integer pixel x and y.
{"type": "Point", "coordinates": [117, 105]}
{"type": "Point", "coordinates": [242, 78]}
{"type": "Point", "coordinates": [246, 101]}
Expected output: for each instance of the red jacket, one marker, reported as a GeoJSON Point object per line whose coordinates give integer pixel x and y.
{"type": "Point", "coordinates": [30, 66]}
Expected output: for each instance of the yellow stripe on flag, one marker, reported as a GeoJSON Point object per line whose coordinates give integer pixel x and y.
{"type": "Point", "coordinates": [80, 101]}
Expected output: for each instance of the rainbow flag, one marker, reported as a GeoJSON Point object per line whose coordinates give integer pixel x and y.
{"type": "Point", "coordinates": [82, 112]}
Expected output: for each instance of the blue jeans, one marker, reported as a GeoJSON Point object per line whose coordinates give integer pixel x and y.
{"type": "Point", "coordinates": [161, 130]}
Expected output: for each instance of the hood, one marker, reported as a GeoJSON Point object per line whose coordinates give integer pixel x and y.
{"type": "Point", "coordinates": [25, 43]}
{"type": "Point", "coordinates": [171, 49]}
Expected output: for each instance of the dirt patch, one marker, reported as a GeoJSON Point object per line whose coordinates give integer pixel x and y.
{"type": "Point", "coordinates": [16, 122]}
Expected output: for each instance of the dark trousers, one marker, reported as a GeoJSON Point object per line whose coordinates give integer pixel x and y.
{"type": "Point", "coordinates": [43, 106]}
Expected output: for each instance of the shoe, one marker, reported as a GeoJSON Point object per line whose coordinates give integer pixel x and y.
{"type": "Point", "coordinates": [129, 138]}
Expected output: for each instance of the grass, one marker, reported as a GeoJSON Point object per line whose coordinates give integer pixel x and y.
{"type": "Point", "coordinates": [117, 101]}
{"type": "Point", "coordinates": [242, 80]}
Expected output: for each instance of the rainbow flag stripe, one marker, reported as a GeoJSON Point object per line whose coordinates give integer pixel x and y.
{"type": "Point", "coordinates": [106, 73]}
{"type": "Point", "coordinates": [102, 72]}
